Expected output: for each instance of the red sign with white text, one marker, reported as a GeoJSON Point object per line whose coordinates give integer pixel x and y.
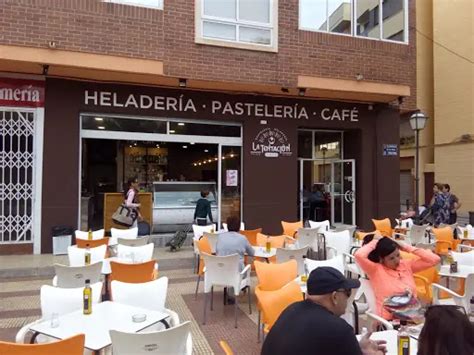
{"type": "Point", "coordinates": [21, 92]}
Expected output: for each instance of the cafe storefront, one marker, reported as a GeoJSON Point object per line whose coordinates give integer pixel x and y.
{"type": "Point", "coordinates": [263, 155]}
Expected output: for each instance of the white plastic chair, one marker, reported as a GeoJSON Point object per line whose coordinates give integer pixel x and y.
{"type": "Point", "coordinates": [134, 242]}
{"type": "Point", "coordinates": [199, 230]}
{"type": "Point", "coordinates": [130, 233]}
{"type": "Point", "coordinates": [148, 295]}
{"type": "Point", "coordinates": [77, 255]}
{"type": "Point", "coordinates": [224, 271]}
{"type": "Point", "coordinates": [371, 305]}
{"type": "Point", "coordinates": [338, 242]}
{"type": "Point", "coordinates": [466, 258]}
{"type": "Point", "coordinates": [457, 299]}
{"type": "Point", "coordinates": [466, 247]}
{"type": "Point", "coordinates": [468, 228]}
{"type": "Point", "coordinates": [405, 223]}
{"type": "Point", "coordinates": [98, 234]}
{"type": "Point", "coordinates": [242, 226]}
{"type": "Point", "coordinates": [284, 255]}
{"type": "Point", "coordinates": [417, 234]}
{"type": "Point", "coordinates": [176, 340]}
{"type": "Point", "coordinates": [308, 237]}
{"type": "Point", "coordinates": [212, 238]}
{"type": "Point", "coordinates": [139, 254]}
{"type": "Point", "coordinates": [76, 276]}
{"type": "Point", "coordinates": [325, 224]}
{"type": "Point", "coordinates": [59, 301]}
{"type": "Point", "coordinates": [337, 262]}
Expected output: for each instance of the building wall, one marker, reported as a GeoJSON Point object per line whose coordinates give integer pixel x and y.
{"type": "Point", "coordinates": [168, 35]}
{"type": "Point", "coordinates": [270, 186]}
{"type": "Point", "coordinates": [453, 35]}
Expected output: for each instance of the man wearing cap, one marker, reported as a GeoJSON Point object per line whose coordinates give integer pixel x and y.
{"type": "Point", "coordinates": [314, 326]}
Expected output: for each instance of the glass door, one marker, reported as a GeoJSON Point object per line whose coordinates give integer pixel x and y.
{"type": "Point", "coordinates": [230, 182]}
{"type": "Point", "coordinates": [342, 192]}
{"type": "Point", "coordinates": [314, 197]}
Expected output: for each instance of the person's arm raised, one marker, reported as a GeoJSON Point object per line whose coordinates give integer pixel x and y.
{"type": "Point", "coordinates": [362, 257]}
{"type": "Point", "coordinates": [426, 258]}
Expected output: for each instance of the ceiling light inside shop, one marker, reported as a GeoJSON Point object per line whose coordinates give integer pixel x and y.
{"type": "Point", "coordinates": [101, 127]}
{"type": "Point", "coordinates": [180, 124]}
{"type": "Point", "coordinates": [206, 150]}
{"type": "Point", "coordinates": [185, 146]}
{"type": "Point", "coordinates": [192, 143]}
{"type": "Point", "coordinates": [100, 119]}
{"type": "Point", "coordinates": [172, 131]}
{"type": "Point", "coordinates": [232, 155]}
{"type": "Point", "coordinates": [215, 159]}
{"type": "Point", "coordinates": [199, 163]}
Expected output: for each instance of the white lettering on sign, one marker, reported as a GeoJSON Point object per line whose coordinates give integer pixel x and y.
{"type": "Point", "coordinates": [340, 115]}
{"type": "Point", "coordinates": [182, 103]}
{"type": "Point", "coordinates": [10, 94]}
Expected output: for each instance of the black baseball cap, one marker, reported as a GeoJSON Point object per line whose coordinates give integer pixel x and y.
{"type": "Point", "coordinates": [326, 279]}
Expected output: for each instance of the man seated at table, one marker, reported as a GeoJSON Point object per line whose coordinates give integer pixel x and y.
{"type": "Point", "coordinates": [314, 326]}
{"type": "Point", "coordinates": [232, 242]}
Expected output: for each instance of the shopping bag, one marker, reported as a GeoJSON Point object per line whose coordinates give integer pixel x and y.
{"type": "Point", "coordinates": [125, 216]}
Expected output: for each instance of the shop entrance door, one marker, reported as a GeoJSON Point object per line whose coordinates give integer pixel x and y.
{"type": "Point", "coordinates": [342, 191]}
{"type": "Point", "coordinates": [327, 190]}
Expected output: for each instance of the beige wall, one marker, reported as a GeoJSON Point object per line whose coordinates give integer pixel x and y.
{"type": "Point", "coordinates": [424, 78]}
{"type": "Point", "coordinates": [454, 96]}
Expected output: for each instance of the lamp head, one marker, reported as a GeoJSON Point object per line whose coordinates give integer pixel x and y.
{"type": "Point", "coordinates": [418, 121]}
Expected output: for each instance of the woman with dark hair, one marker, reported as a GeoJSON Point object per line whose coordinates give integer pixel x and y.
{"type": "Point", "coordinates": [447, 331]}
{"type": "Point", "coordinates": [389, 274]}
{"type": "Point", "coordinates": [440, 205]}
{"type": "Point", "coordinates": [131, 198]}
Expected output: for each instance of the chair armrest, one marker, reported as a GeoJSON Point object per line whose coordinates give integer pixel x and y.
{"type": "Point", "coordinates": [246, 270]}
{"type": "Point", "coordinates": [438, 287]}
{"type": "Point", "coordinates": [349, 256]}
{"type": "Point", "coordinates": [20, 335]}
{"type": "Point", "coordinates": [464, 246]}
{"type": "Point", "coordinates": [329, 248]}
{"type": "Point", "coordinates": [55, 281]}
{"type": "Point", "coordinates": [400, 234]}
{"type": "Point", "coordinates": [425, 282]}
{"type": "Point", "coordinates": [380, 320]}
{"type": "Point", "coordinates": [174, 318]}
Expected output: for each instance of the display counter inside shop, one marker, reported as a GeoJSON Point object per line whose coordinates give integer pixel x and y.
{"type": "Point", "coordinates": [174, 203]}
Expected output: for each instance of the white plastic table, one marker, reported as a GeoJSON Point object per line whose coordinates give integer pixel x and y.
{"type": "Point", "coordinates": [390, 336]}
{"type": "Point", "coordinates": [105, 316]}
{"type": "Point", "coordinates": [463, 271]}
{"type": "Point", "coordinates": [261, 252]}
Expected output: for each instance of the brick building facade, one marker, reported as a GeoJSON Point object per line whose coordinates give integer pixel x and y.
{"type": "Point", "coordinates": [84, 42]}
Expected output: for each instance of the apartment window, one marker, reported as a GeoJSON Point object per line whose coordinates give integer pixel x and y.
{"type": "Point", "coordinates": [247, 24]}
{"type": "Point", "coordinates": [156, 4]}
{"type": "Point", "coordinates": [375, 19]}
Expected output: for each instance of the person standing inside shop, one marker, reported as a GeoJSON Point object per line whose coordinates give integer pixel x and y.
{"type": "Point", "coordinates": [131, 199]}
{"type": "Point", "coordinates": [203, 209]}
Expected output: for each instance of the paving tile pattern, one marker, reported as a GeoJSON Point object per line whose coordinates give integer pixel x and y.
{"type": "Point", "coordinates": [20, 305]}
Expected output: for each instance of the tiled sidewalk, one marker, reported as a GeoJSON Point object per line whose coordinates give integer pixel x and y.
{"type": "Point", "coordinates": [20, 303]}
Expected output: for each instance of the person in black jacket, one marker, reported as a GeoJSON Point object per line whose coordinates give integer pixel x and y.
{"type": "Point", "coordinates": [203, 209]}
{"type": "Point", "coordinates": [314, 326]}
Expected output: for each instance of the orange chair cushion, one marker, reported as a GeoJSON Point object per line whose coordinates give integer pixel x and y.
{"type": "Point", "coordinates": [444, 240]}
{"type": "Point", "coordinates": [291, 228]}
{"type": "Point", "coordinates": [384, 226]}
{"type": "Point", "coordinates": [83, 243]}
{"type": "Point", "coordinates": [71, 346]}
{"type": "Point", "coordinates": [274, 276]}
{"type": "Point", "coordinates": [273, 303]}
{"type": "Point", "coordinates": [276, 241]}
{"type": "Point", "coordinates": [204, 247]}
{"type": "Point", "coordinates": [133, 273]}
{"type": "Point", "coordinates": [251, 235]}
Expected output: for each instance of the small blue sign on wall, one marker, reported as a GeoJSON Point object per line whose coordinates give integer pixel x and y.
{"type": "Point", "coordinates": [390, 150]}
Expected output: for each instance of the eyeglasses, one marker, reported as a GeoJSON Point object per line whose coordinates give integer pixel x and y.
{"type": "Point", "coordinates": [347, 292]}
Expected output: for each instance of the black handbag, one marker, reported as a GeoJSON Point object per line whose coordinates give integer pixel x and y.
{"type": "Point", "coordinates": [125, 216]}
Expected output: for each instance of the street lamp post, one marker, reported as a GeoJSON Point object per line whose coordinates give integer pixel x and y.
{"type": "Point", "coordinates": [417, 123]}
